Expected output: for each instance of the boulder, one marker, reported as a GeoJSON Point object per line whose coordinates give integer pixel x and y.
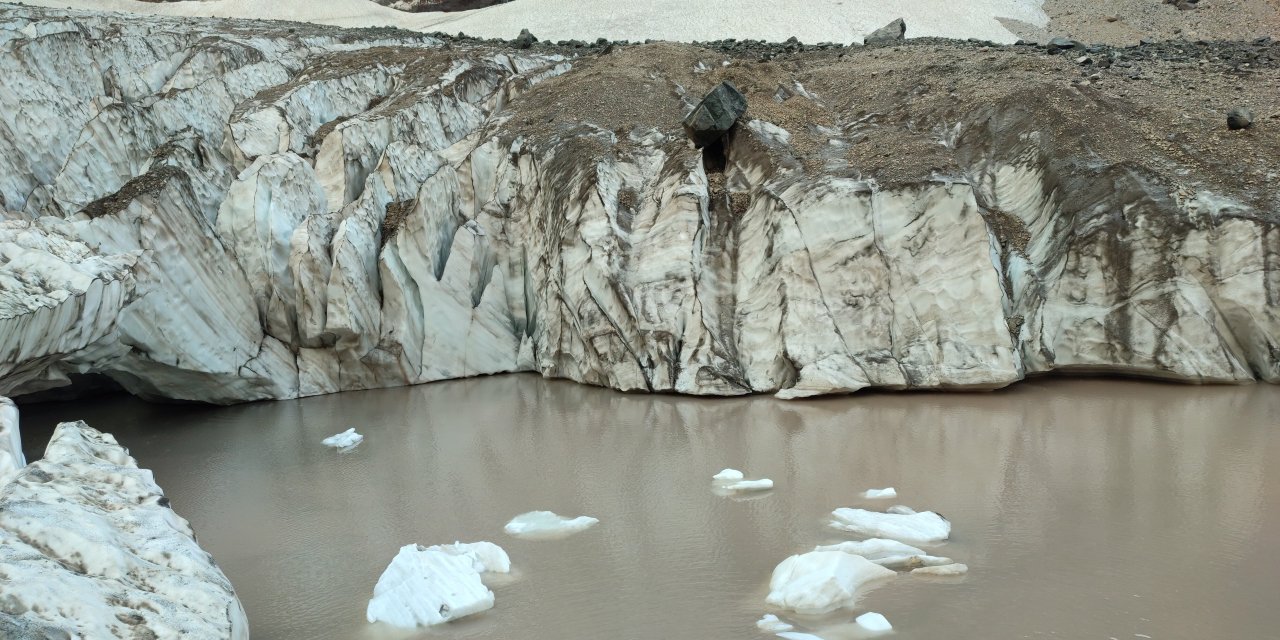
{"type": "Point", "coordinates": [715, 115]}
{"type": "Point", "coordinates": [1239, 118]}
{"type": "Point", "coordinates": [1062, 44]}
{"type": "Point", "coordinates": [890, 34]}
{"type": "Point", "coordinates": [525, 40]}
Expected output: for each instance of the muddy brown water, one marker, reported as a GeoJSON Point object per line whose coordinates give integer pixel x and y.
{"type": "Point", "coordinates": [1084, 508]}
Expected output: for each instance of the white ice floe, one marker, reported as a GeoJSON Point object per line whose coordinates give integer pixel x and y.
{"type": "Point", "coordinates": [874, 623]}
{"type": "Point", "coordinates": [888, 553]}
{"type": "Point", "coordinates": [796, 635]}
{"type": "Point", "coordinates": [771, 624]}
{"type": "Point", "coordinates": [899, 509]}
{"type": "Point", "coordinates": [924, 527]}
{"type": "Point", "coordinates": [749, 485]}
{"type": "Point", "coordinates": [880, 494]}
{"type": "Point", "coordinates": [545, 525]}
{"type": "Point", "coordinates": [732, 481]}
{"type": "Point", "coordinates": [954, 569]}
{"type": "Point", "coordinates": [819, 582]}
{"type": "Point", "coordinates": [346, 440]}
{"type": "Point", "coordinates": [430, 585]}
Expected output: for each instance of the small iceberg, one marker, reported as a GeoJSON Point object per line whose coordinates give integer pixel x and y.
{"type": "Point", "coordinates": [749, 485]}
{"type": "Point", "coordinates": [771, 624]}
{"type": "Point", "coordinates": [431, 585]}
{"type": "Point", "coordinates": [545, 525]}
{"type": "Point", "coordinates": [901, 510]}
{"type": "Point", "coordinates": [346, 440]}
{"type": "Point", "coordinates": [874, 623]}
{"type": "Point", "coordinates": [880, 494]}
{"type": "Point", "coordinates": [820, 582]}
{"type": "Point", "coordinates": [923, 527]}
{"type": "Point", "coordinates": [796, 635]}
{"type": "Point", "coordinates": [731, 481]}
{"type": "Point", "coordinates": [888, 553]}
{"type": "Point", "coordinates": [946, 570]}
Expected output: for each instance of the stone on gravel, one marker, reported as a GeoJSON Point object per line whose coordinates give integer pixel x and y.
{"type": "Point", "coordinates": [890, 34]}
{"type": "Point", "coordinates": [1061, 44]}
{"type": "Point", "coordinates": [715, 115]}
{"type": "Point", "coordinates": [1239, 118]}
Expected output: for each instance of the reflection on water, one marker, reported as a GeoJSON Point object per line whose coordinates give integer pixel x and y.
{"type": "Point", "coordinates": [1085, 509]}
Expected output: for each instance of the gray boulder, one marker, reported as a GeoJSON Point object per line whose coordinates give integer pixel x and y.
{"type": "Point", "coordinates": [890, 34]}
{"type": "Point", "coordinates": [525, 40]}
{"type": "Point", "coordinates": [1239, 118]}
{"type": "Point", "coordinates": [715, 115]}
{"type": "Point", "coordinates": [1062, 44]}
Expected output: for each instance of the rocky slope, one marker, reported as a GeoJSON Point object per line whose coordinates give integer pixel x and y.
{"type": "Point", "coordinates": [439, 5]}
{"type": "Point", "coordinates": [90, 548]}
{"type": "Point", "coordinates": [232, 210]}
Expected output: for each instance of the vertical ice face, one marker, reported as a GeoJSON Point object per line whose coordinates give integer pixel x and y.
{"type": "Point", "coordinates": [301, 213]}
{"type": "Point", "coordinates": [11, 458]}
{"type": "Point", "coordinates": [85, 528]}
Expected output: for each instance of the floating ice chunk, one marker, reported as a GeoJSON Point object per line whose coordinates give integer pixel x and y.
{"type": "Point", "coordinates": [728, 474]}
{"type": "Point", "coordinates": [796, 635]}
{"type": "Point", "coordinates": [954, 569]}
{"type": "Point", "coordinates": [819, 582]}
{"type": "Point", "coordinates": [900, 510]}
{"type": "Point", "coordinates": [545, 525]}
{"type": "Point", "coordinates": [346, 440]}
{"type": "Point", "coordinates": [874, 622]}
{"type": "Point", "coordinates": [771, 624]}
{"type": "Point", "coordinates": [924, 527]}
{"type": "Point", "coordinates": [732, 481]}
{"type": "Point", "coordinates": [487, 557]}
{"type": "Point", "coordinates": [749, 485]}
{"type": "Point", "coordinates": [888, 553]}
{"type": "Point", "coordinates": [878, 494]}
{"type": "Point", "coordinates": [430, 585]}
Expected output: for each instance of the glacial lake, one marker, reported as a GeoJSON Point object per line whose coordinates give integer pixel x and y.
{"type": "Point", "coordinates": [1085, 509]}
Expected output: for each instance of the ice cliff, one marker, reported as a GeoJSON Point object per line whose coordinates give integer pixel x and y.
{"type": "Point", "coordinates": [227, 211]}
{"type": "Point", "coordinates": [90, 548]}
